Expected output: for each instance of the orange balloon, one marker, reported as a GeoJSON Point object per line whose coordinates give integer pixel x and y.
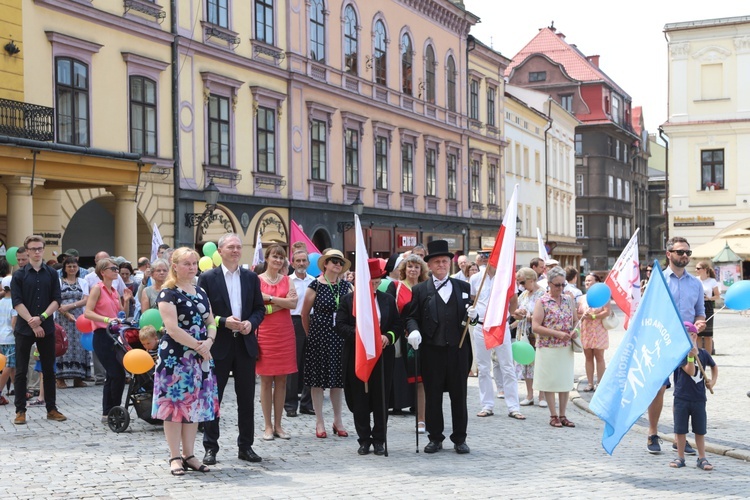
{"type": "Point", "coordinates": [3, 360]}
{"type": "Point", "coordinates": [137, 361]}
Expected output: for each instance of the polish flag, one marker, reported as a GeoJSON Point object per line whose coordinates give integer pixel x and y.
{"type": "Point", "coordinates": [297, 234]}
{"type": "Point", "coordinates": [367, 336]}
{"type": "Point", "coordinates": [503, 257]}
{"type": "Point", "coordinates": [258, 257]}
{"type": "Point", "coordinates": [624, 280]}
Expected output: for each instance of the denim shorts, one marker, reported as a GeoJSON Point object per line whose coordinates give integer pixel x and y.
{"type": "Point", "coordinates": [10, 354]}
{"type": "Point", "coordinates": [694, 410]}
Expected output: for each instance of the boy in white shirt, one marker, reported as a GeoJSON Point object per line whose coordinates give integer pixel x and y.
{"type": "Point", "coordinates": [7, 341]}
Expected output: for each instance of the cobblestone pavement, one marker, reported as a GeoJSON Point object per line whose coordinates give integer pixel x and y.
{"type": "Point", "coordinates": [82, 458]}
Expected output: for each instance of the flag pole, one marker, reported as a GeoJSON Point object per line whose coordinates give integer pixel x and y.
{"type": "Point", "coordinates": [703, 372]}
{"type": "Point", "coordinates": [385, 410]}
{"type": "Point", "coordinates": [476, 299]}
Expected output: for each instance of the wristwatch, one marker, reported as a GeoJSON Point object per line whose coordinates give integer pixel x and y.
{"type": "Point", "coordinates": [270, 298]}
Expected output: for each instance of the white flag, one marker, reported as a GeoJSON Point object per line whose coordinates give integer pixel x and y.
{"type": "Point", "coordinates": [542, 248]}
{"type": "Point", "coordinates": [156, 242]}
{"type": "Point", "coordinates": [258, 254]}
{"type": "Point", "coordinates": [624, 280]}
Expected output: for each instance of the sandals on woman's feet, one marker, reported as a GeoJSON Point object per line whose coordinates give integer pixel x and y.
{"type": "Point", "coordinates": [589, 388]}
{"type": "Point", "coordinates": [565, 422]}
{"type": "Point", "coordinates": [554, 421]}
{"type": "Point", "coordinates": [186, 465]}
{"type": "Point", "coordinates": [702, 464]}
{"type": "Point", "coordinates": [421, 429]}
{"type": "Point", "coordinates": [181, 470]}
{"type": "Point", "coordinates": [38, 402]}
{"type": "Point", "coordinates": [677, 463]}
{"type": "Point", "coordinates": [517, 415]}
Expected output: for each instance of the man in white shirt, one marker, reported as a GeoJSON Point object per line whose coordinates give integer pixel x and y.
{"type": "Point", "coordinates": [461, 274]}
{"type": "Point", "coordinates": [503, 353]}
{"type": "Point", "coordinates": [294, 381]}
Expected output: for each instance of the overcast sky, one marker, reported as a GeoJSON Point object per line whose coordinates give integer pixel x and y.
{"type": "Point", "coordinates": [628, 36]}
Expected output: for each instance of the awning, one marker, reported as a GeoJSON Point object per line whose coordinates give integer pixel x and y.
{"type": "Point", "coordinates": [740, 245]}
{"type": "Point", "coordinates": [727, 255]}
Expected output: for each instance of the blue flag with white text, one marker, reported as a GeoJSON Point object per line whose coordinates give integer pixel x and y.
{"type": "Point", "coordinates": [655, 344]}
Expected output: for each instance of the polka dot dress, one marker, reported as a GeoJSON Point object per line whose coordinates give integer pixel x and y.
{"type": "Point", "coordinates": [323, 366]}
{"type": "Point", "coordinates": [185, 387]}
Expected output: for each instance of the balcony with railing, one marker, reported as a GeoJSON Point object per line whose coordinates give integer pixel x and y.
{"type": "Point", "coordinates": [27, 121]}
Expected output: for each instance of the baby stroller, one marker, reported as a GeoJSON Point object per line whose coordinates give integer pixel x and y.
{"type": "Point", "coordinates": [140, 388]}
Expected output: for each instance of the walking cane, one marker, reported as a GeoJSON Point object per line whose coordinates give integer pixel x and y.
{"type": "Point", "coordinates": [416, 396]}
{"type": "Point", "coordinates": [385, 410]}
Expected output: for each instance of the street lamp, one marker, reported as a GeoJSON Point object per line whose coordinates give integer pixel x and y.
{"type": "Point", "coordinates": [357, 207]}
{"type": "Point", "coordinates": [211, 195]}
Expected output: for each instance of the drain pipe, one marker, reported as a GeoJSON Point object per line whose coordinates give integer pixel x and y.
{"type": "Point", "coordinates": [666, 182]}
{"type": "Point", "coordinates": [176, 124]}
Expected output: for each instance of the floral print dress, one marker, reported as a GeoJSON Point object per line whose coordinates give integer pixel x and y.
{"type": "Point", "coordinates": [185, 387]}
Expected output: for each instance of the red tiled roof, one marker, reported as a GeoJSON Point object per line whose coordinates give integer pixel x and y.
{"type": "Point", "coordinates": [554, 46]}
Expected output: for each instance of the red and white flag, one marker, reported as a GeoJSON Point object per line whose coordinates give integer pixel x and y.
{"type": "Point", "coordinates": [503, 257]}
{"type": "Point", "coordinates": [542, 247]}
{"type": "Point", "coordinates": [624, 280]}
{"type": "Point", "coordinates": [367, 336]}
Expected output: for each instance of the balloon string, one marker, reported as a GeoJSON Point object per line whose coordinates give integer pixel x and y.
{"type": "Point", "coordinates": [714, 314]}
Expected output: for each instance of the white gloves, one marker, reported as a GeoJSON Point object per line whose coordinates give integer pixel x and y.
{"type": "Point", "coordinates": [414, 339]}
{"type": "Point", "coordinates": [472, 312]}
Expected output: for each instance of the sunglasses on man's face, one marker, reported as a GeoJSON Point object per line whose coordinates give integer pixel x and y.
{"type": "Point", "coordinates": [682, 252]}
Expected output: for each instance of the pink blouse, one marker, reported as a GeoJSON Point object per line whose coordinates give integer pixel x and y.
{"type": "Point", "coordinates": [108, 304]}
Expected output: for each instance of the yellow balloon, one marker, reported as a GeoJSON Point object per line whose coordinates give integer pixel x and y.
{"type": "Point", "coordinates": [205, 263]}
{"type": "Point", "coordinates": [3, 360]}
{"type": "Point", "coordinates": [137, 361]}
{"type": "Point", "coordinates": [217, 259]}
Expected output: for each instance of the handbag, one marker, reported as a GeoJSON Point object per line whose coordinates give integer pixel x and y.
{"type": "Point", "coordinates": [611, 322]}
{"type": "Point", "coordinates": [576, 345]}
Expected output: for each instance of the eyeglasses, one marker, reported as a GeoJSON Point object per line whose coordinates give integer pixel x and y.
{"type": "Point", "coordinates": [35, 249]}
{"type": "Point", "coordinates": [682, 252]}
{"type": "Point", "coordinates": [558, 285]}
{"type": "Point", "coordinates": [699, 269]}
{"type": "Point", "coordinates": [336, 261]}
{"type": "Point", "coordinates": [113, 268]}
{"type": "Point", "coordinates": [648, 270]}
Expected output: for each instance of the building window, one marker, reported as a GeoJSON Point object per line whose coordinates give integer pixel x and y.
{"type": "Point", "coordinates": [218, 131]}
{"type": "Point", "coordinates": [430, 75]}
{"type": "Point", "coordinates": [451, 69]}
{"type": "Point", "coordinates": [350, 41]}
{"type": "Point", "coordinates": [381, 163]}
{"type": "Point", "coordinates": [266, 140]}
{"type": "Point", "coordinates": [619, 227]}
{"type": "Point", "coordinates": [580, 233]}
{"type": "Point", "coordinates": [627, 228]}
{"type": "Point", "coordinates": [712, 169]}
{"type": "Point", "coordinates": [616, 109]}
{"type": "Point", "coordinates": [407, 60]}
{"type": "Point", "coordinates": [452, 180]}
{"type": "Point", "coordinates": [351, 157]}
{"type": "Point", "coordinates": [407, 168]}
{"type": "Point", "coordinates": [579, 144]}
{"type": "Point", "coordinates": [317, 31]}
{"type": "Point", "coordinates": [579, 184]}
{"type": "Point", "coordinates": [619, 189]}
{"type": "Point", "coordinates": [491, 91]}
{"type": "Point", "coordinates": [610, 186]}
{"type": "Point", "coordinates": [492, 185]}
{"type": "Point", "coordinates": [476, 170]}
{"type": "Point", "coordinates": [72, 89]}
{"type": "Point", "coordinates": [627, 192]}
{"type": "Point", "coordinates": [474, 100]}
{"type": "Point", "coordinates": [611, 229]}
{"type": "Point", "coordinates": [431, 172]}
{"type": "Point", "coordinates": [537, 76]}
{"type": "Point", "coordinates": [380, 49]}
{"type": "Point", "coordinates": [142, 116]}
{"type": "Point", "coordinates": [566, 101]}
{"type": "Point", "coordinates": [218, 12]}
{"type": "Point", "coordinates": [264, 21]}
{"type": "Point", "coordinates": [318, 170]}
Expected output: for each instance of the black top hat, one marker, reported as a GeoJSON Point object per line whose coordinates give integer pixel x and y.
{"type": "Point", "coordinates": [437, 248]}
{"type": "Point", "coordinates": [391, 264]}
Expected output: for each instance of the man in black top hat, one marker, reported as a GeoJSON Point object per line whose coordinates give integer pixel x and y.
{"type": "Point", "coordinates": [438, 310]}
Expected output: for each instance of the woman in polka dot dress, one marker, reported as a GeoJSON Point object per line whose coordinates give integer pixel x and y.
{"type": "Point", "coordinates": [323, 366]}
{"type": "Point", "coordinates": [185, 390]}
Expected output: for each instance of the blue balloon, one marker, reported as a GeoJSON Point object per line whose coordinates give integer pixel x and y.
{"type": "Point", "coordinates": [313, 269]}
{"type": "Point", "coordinates": [738, 296]}
{"type": "Point", "coordinates": [87, 341]}
{"type": "Point", "coordinates": [598, 295]}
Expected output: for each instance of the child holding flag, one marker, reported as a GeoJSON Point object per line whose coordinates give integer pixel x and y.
{"type": "Point", "coordinates": [690, 401]}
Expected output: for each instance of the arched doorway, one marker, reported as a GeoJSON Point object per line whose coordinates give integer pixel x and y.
{"type": "Point", "coordinates": [321, 238]}
{"type": "Point", "coordinates": [219, 223]}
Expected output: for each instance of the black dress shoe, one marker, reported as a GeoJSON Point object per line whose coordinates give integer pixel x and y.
{"type": "Point", "coordinates": [433, 447]}
{"type": "Point", "coordinates": [248, 455]}
{"type": "Point", "coordinates": [378, 448]}
{"type": "Point", "coordinates": [461, 449]}
{"type": "Point", "coordinates": [307, 411]}
{"type": "Point", "coordinates": [291, 413]}
{"type": "Point", "coordinates": [364, 449]}
{"type": "Point", "coordinates": [210, 457]}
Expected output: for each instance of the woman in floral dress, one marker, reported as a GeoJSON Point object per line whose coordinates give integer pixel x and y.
{"type": "Point", "coordinates": [594, 337]}
{"type": "Point", "coordinates": [185, 390]}
{"type": "Point", "coordinates": [532, 292]}
{"type": "Point", "coordinates": [76, 362]}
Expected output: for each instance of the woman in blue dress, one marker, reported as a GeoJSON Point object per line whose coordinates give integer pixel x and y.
{"type": "Point", "coordinates": [185, 390]}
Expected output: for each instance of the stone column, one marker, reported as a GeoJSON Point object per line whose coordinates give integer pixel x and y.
{"type": "Point", "coordinates": [20, 209]}
{"type": "Point", "coordinates": [126, 222]}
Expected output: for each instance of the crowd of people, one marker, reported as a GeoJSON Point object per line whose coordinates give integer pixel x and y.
{"type": "Point", "coordinates": [296, 331]}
